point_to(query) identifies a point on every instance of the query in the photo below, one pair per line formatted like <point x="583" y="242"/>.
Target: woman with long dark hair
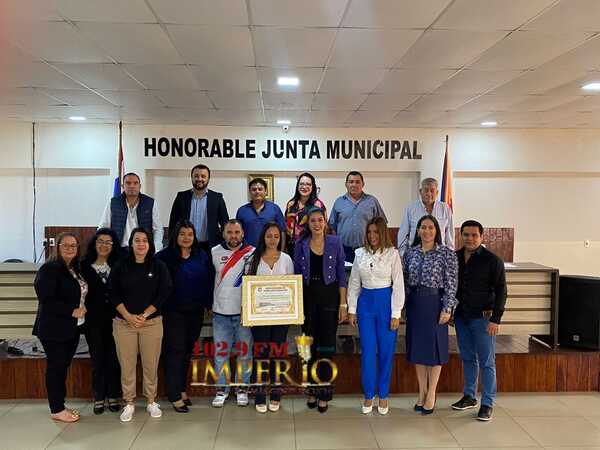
<point x="139" y="285"/>
<point x="61" y="292"/>
<point x="305" y="197"/>
<point x="100" y="258"/>
<point x="430" y="280"/>
<point x="319" y="257"/>
<point x="269" y="259"/>
<point x="183" y="313"/>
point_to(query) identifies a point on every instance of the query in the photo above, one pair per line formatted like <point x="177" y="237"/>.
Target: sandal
<point x="66" y="416"/>
<point x="98" y="407"/>
<point x="114" y="405"/>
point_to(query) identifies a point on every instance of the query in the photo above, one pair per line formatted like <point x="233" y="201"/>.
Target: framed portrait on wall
<point x="269" y="179"/>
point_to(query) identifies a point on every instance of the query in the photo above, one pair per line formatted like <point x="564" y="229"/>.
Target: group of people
<point x="129" y="301"/>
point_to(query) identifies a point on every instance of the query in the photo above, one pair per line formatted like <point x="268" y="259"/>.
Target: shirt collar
<point x="194" y="195"/>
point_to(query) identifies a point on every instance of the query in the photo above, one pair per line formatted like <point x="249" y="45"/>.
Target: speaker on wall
<point x="579" y="312"/>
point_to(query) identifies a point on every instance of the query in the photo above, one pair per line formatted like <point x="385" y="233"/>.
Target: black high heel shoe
<point x="181" y="409"/>
<point x="187" y="402"/>
<point x="311" y="405"/>
<point x="425" y="411"/>
<point x="322" y="409"/>
<point x="418" y="408"/>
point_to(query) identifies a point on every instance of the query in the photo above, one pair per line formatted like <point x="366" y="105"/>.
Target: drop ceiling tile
<point x="439" y="102"/>
<point x="476" y="81"/>
<point x="296" y="116"/>
<point x="36" y="75"/>
<point x="541" y="103"/>
<point x="413" y="81"/>
<point x="539" y="81"/>
<point x="235" y="100"/>
<point x="584" y="57"/>
<point x="292" y="47"/>
<point x="176" y="98"/>
<point x="394" y="13"/>
<point x="527" y="49"/>
<point x="131" y="11"/>
<point x="371" y="48"/>
<point x="238" y="79"/>
<point x="488" y="15"/>
<point x="371" y="117"/>
<point x="567" y="16"/>
<point x="132" y="43"/>
<point x="55" y="42"/>
<point x="287" y="100"/>
<point x="154" y="76"/>
<point x="351" y="81"/>
<point x="76" y="97"/>
<point x="28" y="11"/>
<point x="394" y="102"/>
<point x="338" y="101"/>
<point x="329" y="117"/>
<point x="447" y="49"/>
<point x="292" y="13"/>
<point x="201" y="12"/>
<point x="219" y="46"/>
<point x="309" y="79"/>
<point x="25" y="96"/>
<point x="133" y="99"/>
<point x="492" y="103"/>
<point x="100" y="76"/>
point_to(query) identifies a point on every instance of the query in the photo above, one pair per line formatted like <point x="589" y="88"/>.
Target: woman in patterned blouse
<point x="431" y="279"/>
<point x="296" y="217"/>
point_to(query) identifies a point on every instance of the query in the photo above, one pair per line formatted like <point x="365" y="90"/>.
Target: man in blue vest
<point x="132" y="209"/>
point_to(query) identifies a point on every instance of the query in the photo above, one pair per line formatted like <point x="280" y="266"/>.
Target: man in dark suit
<point x="204" y="208"/>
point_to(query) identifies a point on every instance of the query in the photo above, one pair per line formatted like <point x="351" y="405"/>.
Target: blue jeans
<point x="231" y="338"/>
<point x="478" y="352"/>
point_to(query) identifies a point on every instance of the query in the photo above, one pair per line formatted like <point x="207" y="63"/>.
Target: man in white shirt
<point x="426" y="205"/>
<point x="230" y="337"/>
<point x="130" y="210"/>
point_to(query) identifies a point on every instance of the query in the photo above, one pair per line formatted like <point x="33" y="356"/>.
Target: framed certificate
<point x="272" y="300"/>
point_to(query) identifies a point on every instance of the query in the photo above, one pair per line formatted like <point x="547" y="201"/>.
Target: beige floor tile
<point x="255" y="434"/>
<point x="7" y="405"/>
<point x="234" y="412"/>
<point x="172" y="435"/>
<point x="570" y="448"/>
<point x="586" y="404"/>
<point x="563" y="431"/>
<point x="97" y="436"/>
<point x="341" y="407"/>
<point x="199" y="411"/>
<point x="418" y="432"/>
<point x="27" y="431"/>
<point x="503" y="448"/>
<point x="334" y="434"/>
<point x="444" y="409"/>
<point x="534" y="406"/>
<point x="500" y="432"/>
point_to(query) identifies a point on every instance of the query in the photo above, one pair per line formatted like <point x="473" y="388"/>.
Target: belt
<point x="424" y="290"/>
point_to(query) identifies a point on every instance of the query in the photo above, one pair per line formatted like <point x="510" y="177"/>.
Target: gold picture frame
<point x="272" y="300"/>
<point x="270" y="180"/>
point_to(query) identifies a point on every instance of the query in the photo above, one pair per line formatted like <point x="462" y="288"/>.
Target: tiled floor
<point x="521" y="421"/>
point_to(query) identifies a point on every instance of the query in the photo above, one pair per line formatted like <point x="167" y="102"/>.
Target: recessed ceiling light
<point x="595" y="86"/>
<point x="284" y="122"/>
<point x="288" y="81"/>
<point x="488" y="124"/>
<point x="77" y="118"/>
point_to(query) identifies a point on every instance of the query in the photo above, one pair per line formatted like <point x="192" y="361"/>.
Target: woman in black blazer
<point x="61" y="293"/>
<point x="101" y="255"/>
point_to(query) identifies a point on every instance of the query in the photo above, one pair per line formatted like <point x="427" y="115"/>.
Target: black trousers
<point x="59" y="355"/>
<point x="181" y="332"/>
<point x="321" y="307"/>
<point x="266" y="335"/>
<point x="106" y="371"/>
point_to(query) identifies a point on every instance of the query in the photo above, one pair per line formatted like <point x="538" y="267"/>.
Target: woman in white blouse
<point x="375" y="301"/>
<point x="268" y="259"/>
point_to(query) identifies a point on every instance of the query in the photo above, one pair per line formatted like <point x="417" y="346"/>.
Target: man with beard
<point x="426" y="205"/>
<point x="230" y="337"/>
<point x="130" y="210"/>
<point x="204" y="208"/>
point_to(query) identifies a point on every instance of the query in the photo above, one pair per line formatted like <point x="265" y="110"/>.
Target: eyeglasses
<point x="101" y="242"/>
<point x="69" y="246"/>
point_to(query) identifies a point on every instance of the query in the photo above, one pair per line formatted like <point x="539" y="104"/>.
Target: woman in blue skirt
<point x="375" y="300"/>
<point x="431" y="279"/>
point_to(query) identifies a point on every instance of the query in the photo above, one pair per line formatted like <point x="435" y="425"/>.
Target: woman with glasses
<point x="138" y="287"/>
<point x="305" y="198"/>
<point x="183" y="312"/>
<point x="61" y="292"/>
<point x="100" y="257"/>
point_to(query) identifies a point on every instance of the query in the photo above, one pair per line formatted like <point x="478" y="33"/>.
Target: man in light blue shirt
<point x="427" y="204"/>
<point x="351" y="212"/>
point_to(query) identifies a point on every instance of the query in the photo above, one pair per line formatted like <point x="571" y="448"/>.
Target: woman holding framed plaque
<point x="320" y="259"/>
<point x="269" y="259"/>
<point x="375" y="301"/>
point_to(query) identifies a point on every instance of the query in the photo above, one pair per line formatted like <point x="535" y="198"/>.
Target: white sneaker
<point x="127" y="413"/>
<point x="274" y="406"/>
<point x="154" y="410"/>
<point x="220" y="399"/>
<point x="261" y="408"/>
<point x="242" y="398"/>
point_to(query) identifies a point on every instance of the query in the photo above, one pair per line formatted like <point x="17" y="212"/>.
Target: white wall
<point x="544" y="183"/>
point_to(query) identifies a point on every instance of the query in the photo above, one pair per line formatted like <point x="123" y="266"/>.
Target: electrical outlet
<point x="587" y="243"/>
<point x="52" y="242"/>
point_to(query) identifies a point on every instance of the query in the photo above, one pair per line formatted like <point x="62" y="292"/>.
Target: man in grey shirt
<point x="351" y="212"/>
